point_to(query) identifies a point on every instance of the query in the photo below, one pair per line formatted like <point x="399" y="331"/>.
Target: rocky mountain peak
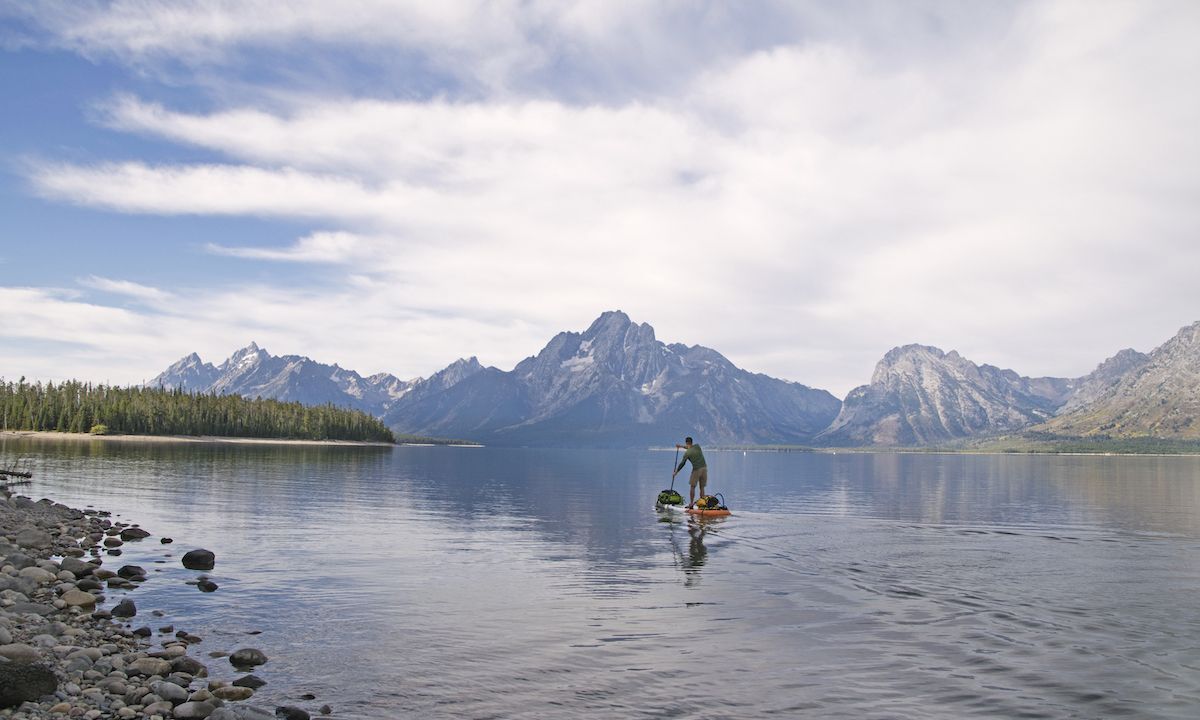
<point x="245" y="356"/>
<point x="461" y="368"/>
<point x="610" y="321"/>
<point x="1187" y="339"/>
<point x="188" y="373"/>
<point x="616" y="384"/>
<point x="920" y="395"/>
<point x="1135" y="395"/>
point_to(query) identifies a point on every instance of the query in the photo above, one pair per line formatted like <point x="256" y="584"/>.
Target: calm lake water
<point x="490" y="583"/>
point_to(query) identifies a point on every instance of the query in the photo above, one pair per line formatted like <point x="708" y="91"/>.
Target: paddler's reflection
<point x="696" y="550"/>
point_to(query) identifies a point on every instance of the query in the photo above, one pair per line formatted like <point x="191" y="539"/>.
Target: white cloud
<point x="1021" y="193"/>
<point x="127" y="288"/>
<point x="325" y="247"/>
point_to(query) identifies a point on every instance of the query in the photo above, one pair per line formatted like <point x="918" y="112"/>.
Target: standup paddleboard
<point x="696" y="511"/>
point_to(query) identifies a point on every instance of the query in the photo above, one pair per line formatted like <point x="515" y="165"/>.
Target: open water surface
<point x="489" y="583"/>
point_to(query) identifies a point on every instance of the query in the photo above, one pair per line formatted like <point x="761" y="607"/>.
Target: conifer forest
<point x="80" y="407"/>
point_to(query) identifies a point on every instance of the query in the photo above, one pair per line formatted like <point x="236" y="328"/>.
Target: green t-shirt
<point x="695" y="455"/>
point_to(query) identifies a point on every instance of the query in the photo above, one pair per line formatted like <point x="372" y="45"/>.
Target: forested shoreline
<point x="79" y="407"/>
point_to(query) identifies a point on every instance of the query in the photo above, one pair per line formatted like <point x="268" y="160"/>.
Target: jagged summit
<point x="189" y="373"/>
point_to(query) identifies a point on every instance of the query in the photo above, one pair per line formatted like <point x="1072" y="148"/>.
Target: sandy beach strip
<point x="87" y="437"/>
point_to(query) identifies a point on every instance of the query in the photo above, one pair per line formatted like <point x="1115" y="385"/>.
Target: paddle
<point x="673" y="466"/>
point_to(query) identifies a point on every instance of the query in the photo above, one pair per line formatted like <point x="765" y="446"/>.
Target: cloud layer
<point x="1016" y="183"/>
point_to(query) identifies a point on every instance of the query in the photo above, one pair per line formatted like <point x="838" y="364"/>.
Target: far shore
<point x="80" y="437"/>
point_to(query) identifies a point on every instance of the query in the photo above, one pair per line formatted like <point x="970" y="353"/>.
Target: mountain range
<point x="616" y="385"/>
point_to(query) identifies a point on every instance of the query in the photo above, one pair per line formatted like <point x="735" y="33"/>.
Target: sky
<point x="392" y="185"/>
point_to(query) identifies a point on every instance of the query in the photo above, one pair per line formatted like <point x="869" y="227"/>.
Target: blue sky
<point x="393" y="185"/>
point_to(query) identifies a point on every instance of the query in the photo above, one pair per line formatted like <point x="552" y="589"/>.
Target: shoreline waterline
<point x="69" y="641"/>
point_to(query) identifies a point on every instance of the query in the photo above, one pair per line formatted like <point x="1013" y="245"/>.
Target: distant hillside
<point x="920" y="395"/>
<point x="1155" y="395"/>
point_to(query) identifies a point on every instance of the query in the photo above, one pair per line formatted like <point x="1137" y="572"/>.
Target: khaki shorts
<point x="699" y="475"/>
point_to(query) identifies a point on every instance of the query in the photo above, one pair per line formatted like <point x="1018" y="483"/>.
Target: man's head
<point x="687" y="441"/>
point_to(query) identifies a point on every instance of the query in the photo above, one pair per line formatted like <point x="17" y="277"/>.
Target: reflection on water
<point x="452" y="582"/>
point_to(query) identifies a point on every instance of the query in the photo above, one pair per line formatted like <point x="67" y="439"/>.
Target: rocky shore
<point x="63" y="655"/>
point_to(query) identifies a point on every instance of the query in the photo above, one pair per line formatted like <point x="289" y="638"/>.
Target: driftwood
<point x="16" y="473"/>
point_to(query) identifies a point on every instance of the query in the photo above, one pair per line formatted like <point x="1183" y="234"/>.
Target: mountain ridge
<point x="616" y="384"/>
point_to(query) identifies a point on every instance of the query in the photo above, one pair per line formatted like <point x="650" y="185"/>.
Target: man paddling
<point x="699" y="469"/>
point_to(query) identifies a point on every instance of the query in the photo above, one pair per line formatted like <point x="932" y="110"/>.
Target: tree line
<point x="80" y="407"/>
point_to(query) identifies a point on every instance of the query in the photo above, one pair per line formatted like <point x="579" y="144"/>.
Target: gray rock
<point x="88" y="584"/>
<point x="191" y="710"/>
<point x="79" y="664"/>
<point x="249" y="712"/>
<point x="125" y="608"/>
<point x="78" y="598"/>
<point x="170" y="692"/>
<point x="188" y="665"/>
<point x="29" y="608"/>
<point x="76" y="566"/>
<point x="113" y="685"/>
<point x="134" y="533"/>
<point x="233" y="693"/>
<point x="25" y="586"/>
<point x="291" y="712"/>
<point x="25" y="682"/>
<point x="247" y="657"/>
<point x="148" y="666"/>
<point x="20" y="652"/>
<point x="253" y="682"/>
<point x="34" y="538"/>
<point x="199" y="560"/>
<point x="20" y="560"/>
<point x="38" y="575"/>
<point x="130" y="572"/>
<point x="161" y="707"/>
<point x="93" y="654"/>
<point x="6" y="637"/>
<point x="207" y="586"/>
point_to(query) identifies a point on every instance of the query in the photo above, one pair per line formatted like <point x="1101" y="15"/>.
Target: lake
<point x="493" y="583"/>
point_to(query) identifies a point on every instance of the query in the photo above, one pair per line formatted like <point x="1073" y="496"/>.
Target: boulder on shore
<point x="34" y="538"/>
<point x="199" y="559"/>
<point x="247" y="657"/>
<point x="22" y="682"/>
<point x="134" y="533"/>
